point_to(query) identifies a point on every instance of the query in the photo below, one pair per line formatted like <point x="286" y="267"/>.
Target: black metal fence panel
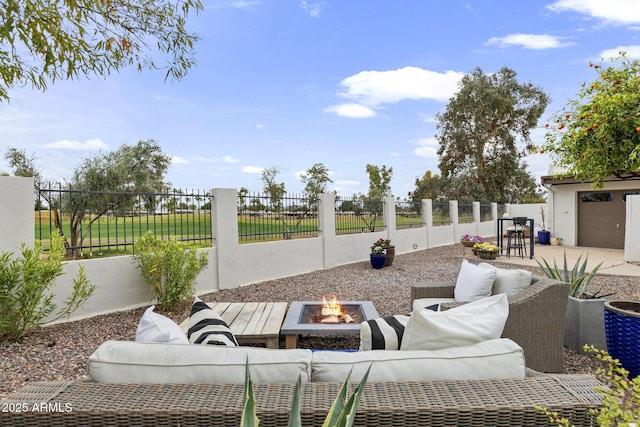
<point x="262" y="217"/>
<point x="95" y="223"/>
<point x="440" y="211"/>
<point x="409" y="215"/>
<point x="465" y="213"/>
<point x="358" y="215"/>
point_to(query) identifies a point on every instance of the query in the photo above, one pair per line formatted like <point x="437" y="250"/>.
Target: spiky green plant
<point x="576" y="277"/>
<point x="341" y="413"/>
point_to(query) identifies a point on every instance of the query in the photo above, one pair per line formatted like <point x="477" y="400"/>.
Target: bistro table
<point x="501" y="231"/>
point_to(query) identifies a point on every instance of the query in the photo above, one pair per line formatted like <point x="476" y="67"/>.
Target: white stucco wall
<point x="16" y="213"/>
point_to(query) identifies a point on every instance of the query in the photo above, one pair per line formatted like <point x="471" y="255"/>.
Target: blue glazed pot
<point x="544" y="237"/>
<point x="622" y="328"/>
<point x="378" y="260"/>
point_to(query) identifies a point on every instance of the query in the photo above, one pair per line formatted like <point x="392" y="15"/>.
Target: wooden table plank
<point x="254" y="325"/>
<point x="242" y="320"/>
<point x="274" y="322"/>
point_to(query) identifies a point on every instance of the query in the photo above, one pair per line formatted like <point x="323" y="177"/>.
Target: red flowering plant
<point x="382" y="242"/>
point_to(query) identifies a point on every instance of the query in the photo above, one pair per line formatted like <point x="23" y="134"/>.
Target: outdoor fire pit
<point x="324" y="318"/>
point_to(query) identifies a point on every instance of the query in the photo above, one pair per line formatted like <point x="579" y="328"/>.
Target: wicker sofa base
<point x="462" y="403"/>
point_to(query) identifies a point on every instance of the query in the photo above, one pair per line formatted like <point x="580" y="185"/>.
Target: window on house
<point x="596" y="197"/>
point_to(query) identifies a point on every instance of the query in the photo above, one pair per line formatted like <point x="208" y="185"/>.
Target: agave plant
<point x="576" y="277"/>
<point x="341" y="413"/>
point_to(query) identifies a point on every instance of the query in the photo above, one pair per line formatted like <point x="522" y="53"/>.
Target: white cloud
<point x="633" y="51"/>
<point x="427" y="147"/>
<point x="529" y="41"/>
<point x="90" y="144"/>
<point x="314" y="10"/>
<point x="356" y="111"/>
<point x="395" y="154"/>
<point x="229" y="159"/>
<point x="177" y="160"/>
<point x="260" y="126"/>
<point x="372" y="88"/>
<point x="615" y="12"/>
<point x="252" y="169"/>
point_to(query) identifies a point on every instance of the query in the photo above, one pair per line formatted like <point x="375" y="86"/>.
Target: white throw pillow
<point x="508" y="280"/>
<point x="474" y="282"/>
<point x="467" y="324"/>
<point x="154" y="327"/>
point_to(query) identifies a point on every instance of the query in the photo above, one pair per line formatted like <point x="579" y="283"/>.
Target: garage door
<point x="601" y="217"/>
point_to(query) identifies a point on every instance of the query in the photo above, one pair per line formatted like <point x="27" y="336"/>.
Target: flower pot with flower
<point x="377" y="257"/>
<point x="468" y="241"/>
<point x="388" y="249"/>
<point x="487" y="250"/>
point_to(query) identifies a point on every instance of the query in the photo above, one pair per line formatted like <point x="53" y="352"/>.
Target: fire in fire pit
<point x="331" y="311"/>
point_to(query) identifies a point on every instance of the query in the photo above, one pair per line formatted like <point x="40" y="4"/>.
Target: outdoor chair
<point x="515" y="237"/>
<point x="536" y="319"/>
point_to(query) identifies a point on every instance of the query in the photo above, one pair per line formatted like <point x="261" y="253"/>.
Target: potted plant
<point x="543" y="234"/>
<point x="487" y="250"/>
<point x="468" y="240"/>
<point x="622" y="327"/>
<point x="584" y="321"/>
<point x="556" y="241"/>
<point x="377" y="257"/>
<point x="388" y="249"/>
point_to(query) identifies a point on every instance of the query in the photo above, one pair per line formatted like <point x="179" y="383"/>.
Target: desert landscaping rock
<point x="61" y="351"/>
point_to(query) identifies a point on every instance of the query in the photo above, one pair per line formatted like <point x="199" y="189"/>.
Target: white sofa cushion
<point x="467" y="324"/>
<point x="499" y="358"/>
<point x="509" y="280"/>
<point x="157" y="363"/>
<point x="474" y="282"/>
<point x="154" y="327"/>
<point x="383" y="333"/>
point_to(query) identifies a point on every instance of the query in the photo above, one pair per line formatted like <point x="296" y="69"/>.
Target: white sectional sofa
<point x="161" y="363"/>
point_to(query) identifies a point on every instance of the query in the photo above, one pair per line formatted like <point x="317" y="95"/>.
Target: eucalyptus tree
<point x="44" y="41"/>
<point x="484" y="133"/>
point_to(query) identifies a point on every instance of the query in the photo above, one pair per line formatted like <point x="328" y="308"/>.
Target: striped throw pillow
<point x="207" y="327"/>
<point x="383" y="333"/>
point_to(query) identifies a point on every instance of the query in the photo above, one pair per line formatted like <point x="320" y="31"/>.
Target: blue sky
<point x="290" y="83"/>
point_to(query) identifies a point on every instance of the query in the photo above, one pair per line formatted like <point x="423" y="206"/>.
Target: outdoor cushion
<point x="474" y="282"/>
<point x="429" y="303"/>
<point x="383" y="333"/>
<point x="470" y="323"/>
<point x="157" y="363"/>
<point x="509" y="280"/>
<point x="207" y="327"/>
<point x="499" y="358"/>
<point x="154" y="327"/>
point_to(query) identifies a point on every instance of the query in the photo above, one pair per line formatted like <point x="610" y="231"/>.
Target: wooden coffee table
<point x="251" y="322"/>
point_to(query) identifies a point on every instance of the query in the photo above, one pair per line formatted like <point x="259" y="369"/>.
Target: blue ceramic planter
<point x="378" y="260"/>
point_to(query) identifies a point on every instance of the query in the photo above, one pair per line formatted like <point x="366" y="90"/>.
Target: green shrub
<point x="621" y="397"/>
<point x="576" y="277"/>
<point x="169" y="268"/>
<point x="341" y="413"/>
<point x="25" y="285"/>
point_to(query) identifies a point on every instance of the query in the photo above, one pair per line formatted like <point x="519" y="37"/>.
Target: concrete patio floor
<point x="612" y="259"/>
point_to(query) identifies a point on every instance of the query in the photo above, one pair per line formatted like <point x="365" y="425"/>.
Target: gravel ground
<point x="60" y="352"/>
